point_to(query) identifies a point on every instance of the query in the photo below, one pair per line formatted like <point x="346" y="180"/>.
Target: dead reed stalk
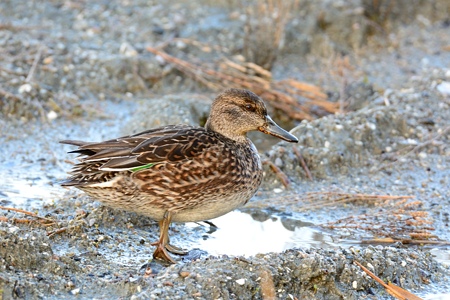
<point x="264" y="29"/>
<point x="296" y="99"/>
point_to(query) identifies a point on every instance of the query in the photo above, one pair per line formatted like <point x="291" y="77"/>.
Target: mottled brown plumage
<point x="180" y="173"/>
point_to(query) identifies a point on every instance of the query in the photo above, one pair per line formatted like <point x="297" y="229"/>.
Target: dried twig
<point x="389" y="240"/>
<point x="280" y="174"/>
<point x="26" y="213"/>
<point x="34" y="65"/>
<point x="9" y="95"/>
<point x="284" y="95"/>
<point x="429" y="141"/>
<point x="267" y="287"/>
<point x="333" y="198"/>
<point x="11" y="27"/>
<point x="11" y="72"/>
<point x="264" y="29"/>
<point x="392" y="289"/>
<point x="302" y="162"/>
<point x="415" y="149"/>
<point x="57" y="231"/>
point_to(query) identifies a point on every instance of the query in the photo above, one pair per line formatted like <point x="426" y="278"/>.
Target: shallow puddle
<point x="29" y="192"/>
<point x="239" y="233"/>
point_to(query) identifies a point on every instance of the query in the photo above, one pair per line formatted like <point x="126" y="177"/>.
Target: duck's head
<point x="236" y="112"/>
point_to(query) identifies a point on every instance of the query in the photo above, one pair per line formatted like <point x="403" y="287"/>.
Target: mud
<point x="94" y="80"/>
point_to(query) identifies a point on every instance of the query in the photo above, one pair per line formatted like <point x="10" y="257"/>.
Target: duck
<point x="180" y="173"/>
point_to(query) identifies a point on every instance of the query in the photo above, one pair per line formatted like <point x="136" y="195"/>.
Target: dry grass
<point x="391" y="288"/>
<point x="378" y="13"/>
<point x="24" y="94"/>
<point x="387" y="219"/>
<point x="298" y="100"/>
<point x="398" y="217"/>
<point x="52" y="225"/>
<point x="264" y="29"/>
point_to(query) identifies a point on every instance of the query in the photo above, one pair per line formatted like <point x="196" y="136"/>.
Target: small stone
<point x="278" y="162"/>
<point x="444" y="88"/>
<point x="180" y="45"/>
<point x="167" y="283"/>
<point x="355" y="284"/>
<point x="13" y="229"/>
<point x="422" y="155"/>
<point x="160" y="60"/>
<point x="70" y="284"/>
<point x="75" y="291"/>
<point x="372" y="126"/>
<point x="48" y="60"/>
<point x="185" y="274"/>
<point x="412" y="142"/>
<point x="25" y="88"/>
<point x="51" y="115"/>
<point x="241" y="281"/>
<point x="127" y="50"/>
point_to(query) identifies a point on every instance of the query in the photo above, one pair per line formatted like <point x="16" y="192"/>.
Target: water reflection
<point x="255" y="231"/>
<point x="240" y="233"/>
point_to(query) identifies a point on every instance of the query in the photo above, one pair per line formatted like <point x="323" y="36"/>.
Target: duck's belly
<point x="212" y="208"/>
<point x="190" y="207"/>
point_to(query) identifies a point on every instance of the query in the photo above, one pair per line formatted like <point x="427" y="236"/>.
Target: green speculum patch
<point x="147" y="166"/>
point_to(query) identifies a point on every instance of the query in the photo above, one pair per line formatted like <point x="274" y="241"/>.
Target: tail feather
<point x="70" y="182"/>
<point x="74" y="142"/>
<point x="87" y="152"/>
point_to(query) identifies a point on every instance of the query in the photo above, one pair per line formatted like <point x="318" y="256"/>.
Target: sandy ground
<point x="80" y="70"/>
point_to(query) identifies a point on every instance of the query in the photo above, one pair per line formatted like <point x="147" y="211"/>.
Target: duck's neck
<point x="226" y="132"/>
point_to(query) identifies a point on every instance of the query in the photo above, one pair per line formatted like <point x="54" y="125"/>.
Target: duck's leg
<point x="163" y="244"/>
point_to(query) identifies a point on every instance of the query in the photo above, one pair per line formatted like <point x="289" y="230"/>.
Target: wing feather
<point x="164" y="144"/>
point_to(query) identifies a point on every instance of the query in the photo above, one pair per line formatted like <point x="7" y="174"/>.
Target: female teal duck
<point x="180" y="173"/>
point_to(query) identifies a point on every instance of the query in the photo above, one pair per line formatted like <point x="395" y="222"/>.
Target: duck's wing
<point x="160" y="145"/>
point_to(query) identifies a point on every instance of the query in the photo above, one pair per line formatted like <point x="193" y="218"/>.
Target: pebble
<point x="444" y="88"/>
<point x="51" y="115"/>
<point x="278" y="162"/>
<point x="128" y="50"/>
<point x="13" y="229"/>
<point x="25" y="88"/>
<point x="184" y="274"/>
<point x="75" y="291"/>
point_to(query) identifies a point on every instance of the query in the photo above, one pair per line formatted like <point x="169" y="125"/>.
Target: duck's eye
<point x="250" y="107"/>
